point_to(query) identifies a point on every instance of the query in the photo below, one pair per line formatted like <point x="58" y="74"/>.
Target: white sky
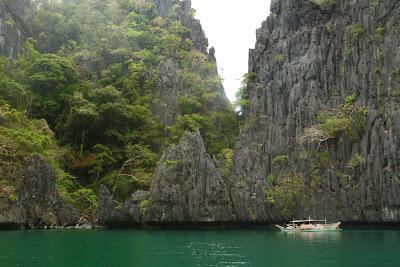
<point x="230" y="26"/>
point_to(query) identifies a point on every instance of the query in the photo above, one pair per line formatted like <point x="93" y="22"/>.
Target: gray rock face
<point x="13" y="26"/>
<point x="187" y="186"/>
<point x="171" y="86"/>
<point x="307" y="59"/>
<point x="38" y="203"/>
<point x="168" y="92"/>
<point x="111" y="212"/>
<point x="197" y="34"/>
<point x="184" y="9"/>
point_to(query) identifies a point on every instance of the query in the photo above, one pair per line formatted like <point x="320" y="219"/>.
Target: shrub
<point x="190" y="105"/>
<point x="287" y="194"/>
<point x="347" y="53"/>
<point x="227" y="157"/>
<point x="316" y="180"/>
<point x="7" y="190"/>
<point x="172" y="163"/>
<point x="271" y="179"/>
<point x="380" y="31"/>
<point x="85" y="200"/>
<point x="396" y="72"/>
<point x="356" y="31"/>
<point x="249" y="77"/>
<point x="279" y="58"/>
<point x="356" y="161"/>
<point x="144" y="206"/>
<point x="349" y="119"/>
<point x="325" y="3"/>
<point x="280" y="159"/>
<point x="344" y="178"/>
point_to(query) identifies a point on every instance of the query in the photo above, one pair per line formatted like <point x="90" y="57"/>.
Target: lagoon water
<point x="144" y="248"/>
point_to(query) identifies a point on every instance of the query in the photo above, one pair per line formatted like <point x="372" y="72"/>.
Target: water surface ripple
<point x="113" y="248"/>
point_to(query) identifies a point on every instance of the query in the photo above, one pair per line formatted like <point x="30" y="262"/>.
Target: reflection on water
<point x="316" y="236"/>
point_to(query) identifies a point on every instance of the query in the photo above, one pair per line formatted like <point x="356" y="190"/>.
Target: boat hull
<point x="317" y="228"/>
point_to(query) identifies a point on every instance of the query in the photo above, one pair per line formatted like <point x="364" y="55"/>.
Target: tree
<point x="51" y="73"/>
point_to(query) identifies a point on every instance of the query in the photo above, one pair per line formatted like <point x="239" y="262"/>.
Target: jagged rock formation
<point x="171" y="88"/>
<point x="184" y="9"/>
<point x="187" y="188"/>
<point x="13" y="26"/>
<point x="38" y="203"/>
<point x="112" y="213"/>
<point x="309" y="56"/>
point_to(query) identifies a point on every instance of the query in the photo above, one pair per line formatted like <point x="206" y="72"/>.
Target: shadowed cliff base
<point x="240" y="225"/>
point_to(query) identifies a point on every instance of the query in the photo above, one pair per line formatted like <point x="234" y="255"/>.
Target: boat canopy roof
<point x="307" y="220"/>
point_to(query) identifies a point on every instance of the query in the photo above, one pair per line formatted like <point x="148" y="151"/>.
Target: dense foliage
<point x="91" y="72"/>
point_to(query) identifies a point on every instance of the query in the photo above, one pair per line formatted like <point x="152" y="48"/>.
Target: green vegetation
<point x="287" y="194"/>
<point x="226" y="156"/>
<point x="272" y="179"/>
<point x="20" y="139"/>
<point x="396" y="73"/>
<point x="348" y="119"/>
<point x="85" y="94"/>
<point x="279" y="58"/>
<point x="380" y="31"/>
<point x="316" y="180"/>
<point x="172" y="163"/>
<point x="143" y="206"/>
<point x="279" y="160"/>
<point x="356" y="161"/>
<point x="325" y="3"/>
<point x="243" y="94"/>
<point x="376" y="2"/>
<point x="356" y="32"/>
<point x="249" y="77"/>
<point x="347" y="53"/>
<point x="344" y="178"/>
<point x="253" y="215"/>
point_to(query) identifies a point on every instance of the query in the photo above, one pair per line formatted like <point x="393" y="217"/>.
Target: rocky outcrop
<point x="13" y="26"/>
<point x="310" y="55"/>
<point x="197" y="34"/>
<point x="187" y="188"/>
<point x="171" y="85"/>
<point x="38" y="203"/>
<point x="184" y="13"/>
<point x="112" y="213"/>
<point x="168" y="92"/>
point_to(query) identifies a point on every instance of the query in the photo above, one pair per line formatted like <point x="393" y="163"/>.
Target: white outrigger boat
<point x="309" y="225"/>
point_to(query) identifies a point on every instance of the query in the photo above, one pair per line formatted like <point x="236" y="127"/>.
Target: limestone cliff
<point x="171" y="86"/>
<point x="14" y="26"/>
<point x="310" y="55"/>
<point x="37" y="202"/>
<point x="338" y="59"/>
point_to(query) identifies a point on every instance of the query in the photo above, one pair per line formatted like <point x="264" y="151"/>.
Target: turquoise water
<point x="108" y="248"/>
